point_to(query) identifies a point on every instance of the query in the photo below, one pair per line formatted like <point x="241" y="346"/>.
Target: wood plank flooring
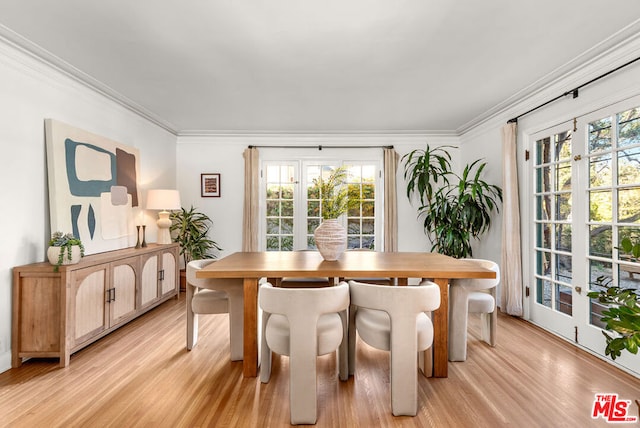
<point x="143" y="376"/>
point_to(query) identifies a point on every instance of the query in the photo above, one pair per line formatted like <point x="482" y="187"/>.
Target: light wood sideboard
<point x="55" y="314"/>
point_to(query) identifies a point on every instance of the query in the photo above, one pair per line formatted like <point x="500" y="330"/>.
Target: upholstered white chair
<point x="393" y="318"/>
<point x="303" y="323"/>
<point x="472" y="296"/>
<point x="215" y="296"/>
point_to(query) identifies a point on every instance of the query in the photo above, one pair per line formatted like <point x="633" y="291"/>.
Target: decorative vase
<point x="331" y="239"/>
<point x="53" y="253"/>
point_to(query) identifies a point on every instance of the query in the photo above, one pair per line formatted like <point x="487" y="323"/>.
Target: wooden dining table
<point x="273" y="265"/>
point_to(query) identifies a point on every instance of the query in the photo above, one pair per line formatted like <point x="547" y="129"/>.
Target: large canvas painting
<point x="93" y="187"/>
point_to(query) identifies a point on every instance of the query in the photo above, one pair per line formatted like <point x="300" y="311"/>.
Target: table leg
<point x="441" y="331"/>
<point x="250" y="333"/>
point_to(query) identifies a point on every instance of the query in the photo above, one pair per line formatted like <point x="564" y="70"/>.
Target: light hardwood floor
<point x="143" y="376"/>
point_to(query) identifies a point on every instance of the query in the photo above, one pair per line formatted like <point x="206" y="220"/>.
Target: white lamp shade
<point x="163" y="199"/>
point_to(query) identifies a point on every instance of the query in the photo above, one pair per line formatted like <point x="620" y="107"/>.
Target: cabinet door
<point x="149" y="280"/>
<point x="123" y="284"/>
<point x="89" y="287"/>
<point x="169" y="272"/>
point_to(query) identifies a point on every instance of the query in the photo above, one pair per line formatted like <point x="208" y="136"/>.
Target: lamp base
<point x="164" y="223"/>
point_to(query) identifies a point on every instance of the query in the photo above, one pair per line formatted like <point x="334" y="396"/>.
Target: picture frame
<point x="210" y="185"/>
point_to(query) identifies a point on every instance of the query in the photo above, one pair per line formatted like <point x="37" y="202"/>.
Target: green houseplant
<point x="455" y="208"/>
<point x="190" y="229"/>
<point x="622" y="315"/>
<point x="64" y="248"/>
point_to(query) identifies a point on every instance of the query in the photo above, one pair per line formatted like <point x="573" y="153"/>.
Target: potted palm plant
<point x="64" y="249"/>
<point x="190" y="229"/>
<point x="455" y="208"/>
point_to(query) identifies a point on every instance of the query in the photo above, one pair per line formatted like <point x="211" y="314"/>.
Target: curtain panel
<point x="390" y="167"/>
<point x="250" y="208"/>
<point x="511" y="266"/>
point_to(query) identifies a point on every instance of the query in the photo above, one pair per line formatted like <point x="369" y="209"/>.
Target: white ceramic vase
<point x="331" y="239"/>
<point x="53" y="254"/>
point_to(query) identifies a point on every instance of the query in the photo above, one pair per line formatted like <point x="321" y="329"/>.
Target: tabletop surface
<point x="351" y="263"/>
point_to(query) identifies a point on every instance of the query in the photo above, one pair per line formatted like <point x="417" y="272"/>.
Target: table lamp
<point x="163" y="200"/>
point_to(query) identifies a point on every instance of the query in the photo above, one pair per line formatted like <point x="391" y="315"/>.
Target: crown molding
<point x="316" y="134"/>
<point x="612" y="52"/>
<point x="325" y="139"/>
<point x="40" y="60"/>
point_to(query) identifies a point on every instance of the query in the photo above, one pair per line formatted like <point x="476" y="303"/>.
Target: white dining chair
<point x="215" y="296"/>
<point x="303" y="323"/>
<point x="394" y="318"/>
<point x="472" y="295"/>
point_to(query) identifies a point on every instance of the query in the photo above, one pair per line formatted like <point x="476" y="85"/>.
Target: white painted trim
<point x="326" y="140"/>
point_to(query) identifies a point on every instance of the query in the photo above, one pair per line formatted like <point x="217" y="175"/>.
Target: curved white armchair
<point x="215" y="296"/>
<point x="472" y="296"/>
<point x="303" y="323"/>
<point x="393" y="318"/>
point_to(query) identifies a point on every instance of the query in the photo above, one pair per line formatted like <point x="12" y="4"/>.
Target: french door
<point x="291" y="209"/>
<point x="585" y="199"/>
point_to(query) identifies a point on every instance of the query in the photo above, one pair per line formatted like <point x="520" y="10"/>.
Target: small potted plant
<point x="64" y="249"/>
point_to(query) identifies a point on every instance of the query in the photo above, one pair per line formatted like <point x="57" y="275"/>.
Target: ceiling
<point x="323" y="66"/>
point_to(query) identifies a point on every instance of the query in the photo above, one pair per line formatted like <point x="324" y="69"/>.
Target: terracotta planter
<point x="53" y="254"/>
<point x="331" y="239"/>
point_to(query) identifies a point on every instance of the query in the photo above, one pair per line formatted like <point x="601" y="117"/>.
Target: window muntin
<point x="280" y="211"/>
<point x="292" y="207"/>
<point x="553" y="208"/>
<point x="614" y="201"/>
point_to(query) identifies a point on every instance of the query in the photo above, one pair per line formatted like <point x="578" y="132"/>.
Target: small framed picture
<point x="210" y="185"/>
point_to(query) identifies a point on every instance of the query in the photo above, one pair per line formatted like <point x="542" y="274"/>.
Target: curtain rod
<point x="320" y="147"/>
<point x="574" y="91"/>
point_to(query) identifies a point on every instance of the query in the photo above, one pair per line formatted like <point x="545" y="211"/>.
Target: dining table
<point x="274" y="265"/>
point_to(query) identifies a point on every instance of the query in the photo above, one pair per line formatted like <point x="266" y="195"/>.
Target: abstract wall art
<point x="93" y="187"/>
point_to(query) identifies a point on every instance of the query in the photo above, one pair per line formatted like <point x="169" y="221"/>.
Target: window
<point x="553" y="221"/>
<point x="614" y="201"/>
<point x="280" y="210"/>
<point x="585" y="199"/>
<point x="292" y="209"/>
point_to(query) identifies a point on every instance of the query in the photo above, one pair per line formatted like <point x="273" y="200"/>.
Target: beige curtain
<point x="390" y="200"/>
<point x="511" y="266"/>
<point x="250" y="211"/>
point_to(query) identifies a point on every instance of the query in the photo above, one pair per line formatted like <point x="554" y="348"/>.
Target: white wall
<point x="31" y="92"/>
<point x="223" y="154"/>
